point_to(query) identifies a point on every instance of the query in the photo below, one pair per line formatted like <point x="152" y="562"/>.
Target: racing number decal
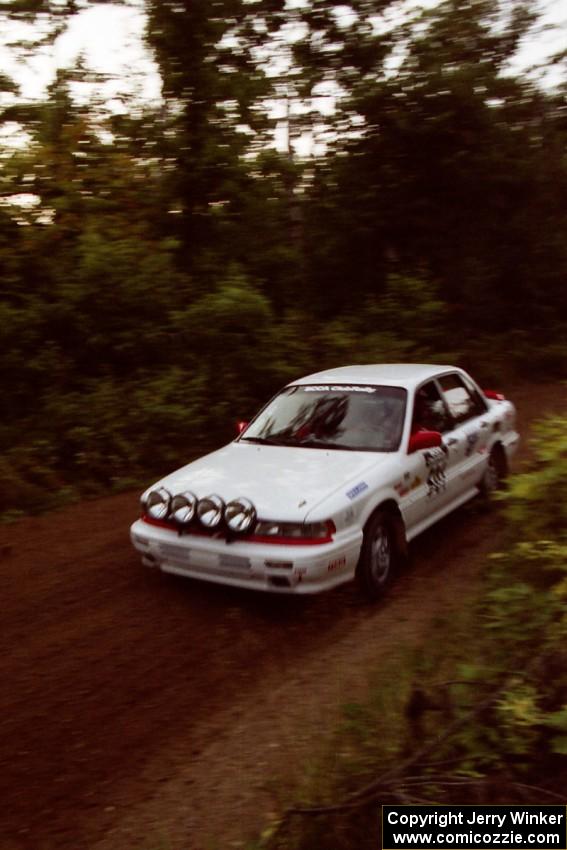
<point x="436" y="463"/>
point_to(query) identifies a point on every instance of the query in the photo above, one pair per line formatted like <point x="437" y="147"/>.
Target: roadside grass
<point x="40" y="500"/>
<point x="405" y="705"/>
<point x="477" y="713"/>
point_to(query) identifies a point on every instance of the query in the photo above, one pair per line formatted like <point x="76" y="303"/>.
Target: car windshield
<point x="351" y="417"/>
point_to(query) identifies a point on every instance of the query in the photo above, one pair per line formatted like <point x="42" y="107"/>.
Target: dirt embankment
<point x="141" y="711"/>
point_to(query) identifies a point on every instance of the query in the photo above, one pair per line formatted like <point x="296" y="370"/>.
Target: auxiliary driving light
<point x="210" y="511"/>
<point x="240" y="515"/>
<point x="158" y="503"/>
<point x="183" y="507"/>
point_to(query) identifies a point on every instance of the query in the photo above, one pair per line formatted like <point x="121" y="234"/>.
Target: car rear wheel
<point x="379" y="555"/>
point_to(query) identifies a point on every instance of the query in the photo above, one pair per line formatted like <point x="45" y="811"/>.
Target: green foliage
<point x="449" y="173"/>
<point x="518" y="652"/>
<point x="537" y="500"/>
<point x="407" y="322"/>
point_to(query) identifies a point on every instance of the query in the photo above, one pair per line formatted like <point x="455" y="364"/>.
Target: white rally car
<point x="330" y="480"/>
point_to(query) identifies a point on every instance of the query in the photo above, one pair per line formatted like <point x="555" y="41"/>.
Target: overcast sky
<point x="109" y="37"/>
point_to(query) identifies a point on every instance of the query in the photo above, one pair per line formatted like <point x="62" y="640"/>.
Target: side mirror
<point x="240" y="426"/>
<point x="494" y="395"/>
<point x="424" y="440"/>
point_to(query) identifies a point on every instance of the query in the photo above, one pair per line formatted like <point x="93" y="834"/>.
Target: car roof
<point x="390" y="374"/>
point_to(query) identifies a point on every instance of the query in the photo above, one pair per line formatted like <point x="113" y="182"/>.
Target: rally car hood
<point x="284" y="483"/>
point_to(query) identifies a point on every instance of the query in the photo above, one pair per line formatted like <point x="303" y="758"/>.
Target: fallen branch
<point x="365" y="795"/>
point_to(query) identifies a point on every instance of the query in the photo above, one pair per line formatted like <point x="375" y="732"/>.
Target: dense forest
<point x="175" y="266"/>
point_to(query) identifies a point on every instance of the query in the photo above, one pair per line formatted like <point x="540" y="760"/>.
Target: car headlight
<point x="240" y="515"/>
<point x="183" y="507"/>
<point x="210" y="511"/>
<point x="157" y="503"/>
<point x="316" y="531"/>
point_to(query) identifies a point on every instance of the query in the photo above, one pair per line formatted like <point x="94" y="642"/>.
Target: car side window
<point x="463" y="403"/>
<point x="478" y="397"/>
<point x="429" y="410"/>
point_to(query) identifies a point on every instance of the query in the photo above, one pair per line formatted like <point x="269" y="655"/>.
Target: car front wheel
<point x="379" y="555"/>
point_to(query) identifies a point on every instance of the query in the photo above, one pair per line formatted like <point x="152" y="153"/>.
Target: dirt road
<point x="141" y="711"/>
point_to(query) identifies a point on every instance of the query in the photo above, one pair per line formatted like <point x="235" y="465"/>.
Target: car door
<point x="468" y="439"/>
<point x="427" y="471"/>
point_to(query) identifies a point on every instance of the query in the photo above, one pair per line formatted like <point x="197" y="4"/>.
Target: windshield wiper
<point x="300" y="444"/>
<point x="270" y="441"/>
<point x="321" y="444"/>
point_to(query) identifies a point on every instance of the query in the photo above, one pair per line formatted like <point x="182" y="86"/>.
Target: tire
<point x="380" y="554"/>
<point x="494" y="475"/>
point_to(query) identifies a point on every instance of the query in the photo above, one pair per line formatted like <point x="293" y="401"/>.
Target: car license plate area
<point x="181" y="554"/>
<point x="185" y="557"/>
<point x="234" y="562"/>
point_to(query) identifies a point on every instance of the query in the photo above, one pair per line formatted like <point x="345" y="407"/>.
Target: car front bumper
<point x="275" y="568"/>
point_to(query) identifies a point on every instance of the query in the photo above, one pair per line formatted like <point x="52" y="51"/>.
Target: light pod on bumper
<point x="183" y="508"/>
<point x="158" y="503"/>
<point x="240" y="515"/>
<point x="210" y="511"/>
